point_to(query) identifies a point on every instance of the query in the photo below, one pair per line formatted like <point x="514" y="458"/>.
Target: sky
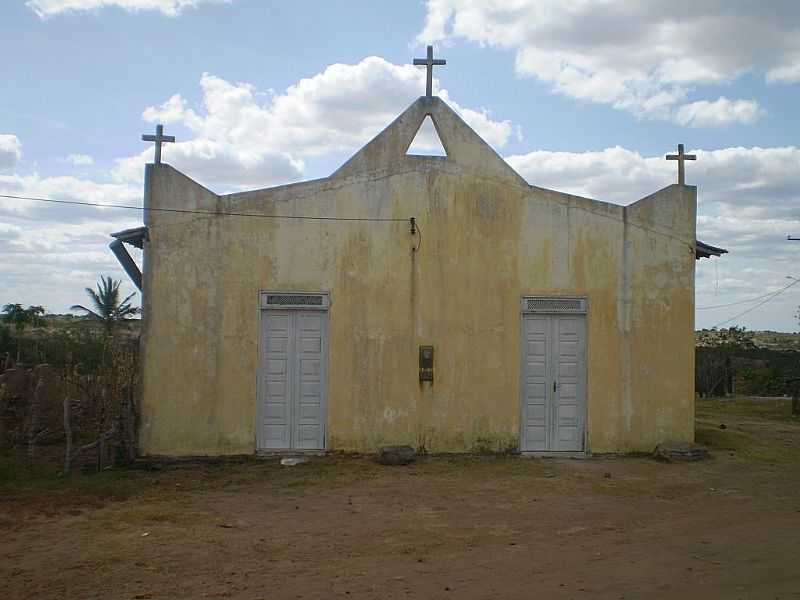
<point x="580" y="96"/>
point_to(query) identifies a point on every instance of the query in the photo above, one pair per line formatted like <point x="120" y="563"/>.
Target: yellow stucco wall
<point x="487" y="239"/>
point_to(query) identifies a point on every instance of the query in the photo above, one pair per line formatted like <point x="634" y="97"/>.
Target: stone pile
<point x="680" y="452"/>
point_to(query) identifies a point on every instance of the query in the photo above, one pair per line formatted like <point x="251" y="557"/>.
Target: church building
<point x="441" y="302"/>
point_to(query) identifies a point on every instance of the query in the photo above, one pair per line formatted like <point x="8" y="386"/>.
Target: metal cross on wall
<point x="681" y="157"/>
<point x="429" y="62"/>
<point x="159" y="138"/>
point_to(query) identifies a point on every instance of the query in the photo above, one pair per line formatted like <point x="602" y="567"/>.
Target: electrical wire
<point x="752" y="308"/>
<point x="254" y="215"/>
<point x="205" y="212"/>
<point x="748" y="301"/>
<point x="419" y="233"/>
<point x="767" y="297"/>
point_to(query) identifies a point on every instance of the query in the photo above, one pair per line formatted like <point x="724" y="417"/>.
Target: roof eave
<point x="703" y="250"/>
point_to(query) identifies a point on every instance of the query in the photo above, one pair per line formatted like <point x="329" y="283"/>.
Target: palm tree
<point x="20" y="318"/>
<point x="107" y="307"/>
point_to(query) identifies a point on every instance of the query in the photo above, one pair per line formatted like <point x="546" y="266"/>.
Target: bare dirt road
<point x="467" y="527"/>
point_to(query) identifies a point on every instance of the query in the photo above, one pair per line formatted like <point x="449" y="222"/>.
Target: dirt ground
<point x="465" y="527"/>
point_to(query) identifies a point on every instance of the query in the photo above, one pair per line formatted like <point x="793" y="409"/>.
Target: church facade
<point x="439" y="302"/>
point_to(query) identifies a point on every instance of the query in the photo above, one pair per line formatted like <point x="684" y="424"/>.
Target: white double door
<point x="553" y="383"/>
<point x="293" y="373"/>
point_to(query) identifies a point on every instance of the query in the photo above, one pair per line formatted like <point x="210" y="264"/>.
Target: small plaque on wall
<point x="426" y="363"/>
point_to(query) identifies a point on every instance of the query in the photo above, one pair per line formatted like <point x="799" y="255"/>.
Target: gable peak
<point x="463" y="146"/>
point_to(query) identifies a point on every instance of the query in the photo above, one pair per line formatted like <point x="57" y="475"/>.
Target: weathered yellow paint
<point x="488" y="239"/>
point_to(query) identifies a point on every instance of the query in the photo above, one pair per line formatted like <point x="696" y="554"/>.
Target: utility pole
<point x="795" y="382"/>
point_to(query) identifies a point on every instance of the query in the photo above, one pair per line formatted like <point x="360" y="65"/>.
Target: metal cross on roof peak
<point x="681" y="157"/>
<point x="159" y="138"/>
<point x="429" y="62"/>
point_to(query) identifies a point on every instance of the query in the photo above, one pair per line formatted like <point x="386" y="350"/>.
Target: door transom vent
<point x="539" y="304"/>
<point x="307" y="301"/>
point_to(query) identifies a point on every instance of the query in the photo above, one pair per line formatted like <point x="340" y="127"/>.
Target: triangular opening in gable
<point x="426" y="142"/>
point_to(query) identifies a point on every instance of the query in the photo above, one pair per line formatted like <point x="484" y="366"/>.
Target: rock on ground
<point x="680" y="451"/>
<point x="396" y="455"/>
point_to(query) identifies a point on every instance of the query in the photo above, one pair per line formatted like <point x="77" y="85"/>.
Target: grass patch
<point x="724" y="440"/>
<point x="8" y="472"/>
<point x="115" y="485"/>
<point x="759" y="431"/>
<point x="24" y="494"/>
<point x="773" y="409"/>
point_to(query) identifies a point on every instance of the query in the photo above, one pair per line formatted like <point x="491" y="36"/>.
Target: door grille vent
<point x="554" y="305"/>
<point x="294" y="301"/>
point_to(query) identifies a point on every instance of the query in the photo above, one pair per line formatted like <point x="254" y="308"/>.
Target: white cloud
<point x="785" y="74"/>
<point x="10" y="151"/>
<point x="62" y="188"/>
<point x="244" y="138"/>
<point x="747" y="204"/>
<point x="172" y="111"/>
<point x="220" y="165"/>
<point x="613" y="175"/>
<point x="495" y="133"/>
<point x="50" y="252"/>
<point x="239" y="137"/>
<point x="763" y="182"/>
<point x="170" y="8"/>
<point x="719" y="113"/>
<point x="79" y="160"/>
<point x="643" y="57"/>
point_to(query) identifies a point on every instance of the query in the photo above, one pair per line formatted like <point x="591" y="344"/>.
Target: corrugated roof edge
<point x="703" y="250"/>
